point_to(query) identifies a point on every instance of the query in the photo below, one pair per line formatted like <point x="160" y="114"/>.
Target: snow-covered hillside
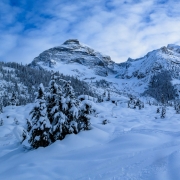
<point x="134" y="145"/>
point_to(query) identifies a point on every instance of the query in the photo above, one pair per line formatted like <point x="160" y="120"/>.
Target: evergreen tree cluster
<point x="135" y="102"/>
<point x="177" y="107"/>
<point x="57" y="112"/>
<point x="161" y="88"/>
<point x="162" y="111"/>
<point x="102" y="83"/>
<point x="20" y="82"/>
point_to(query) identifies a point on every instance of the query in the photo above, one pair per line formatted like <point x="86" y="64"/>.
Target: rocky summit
<point x="72" y="51"/>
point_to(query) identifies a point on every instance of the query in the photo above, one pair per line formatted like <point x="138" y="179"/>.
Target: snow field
<point x="134" y="145"/>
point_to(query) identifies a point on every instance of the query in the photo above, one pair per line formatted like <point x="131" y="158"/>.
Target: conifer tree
<point x="72" y="111"/>
<point x="158" y="110"/>
<point x="85" y="111"/>
<point x="56" y="105"/>
<point x="52" y="98"/>
<point x="104" y="95"/>
<point x="109" y="96"/>
<point x="1" y="122"/>
<point x="177" y="107"/>
<point x="13" y="100"/>
<point x="29" y="125"/>
<point x="163" y="112"/>
<point x="39" y="134"/>
<point x="1" y="108"/>
<point x="16" y="121"/>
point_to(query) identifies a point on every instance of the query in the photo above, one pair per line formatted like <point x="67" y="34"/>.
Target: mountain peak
<point x="71" y="41"/>
<point x="174" y="47"/>
<point x="72" y="52"/>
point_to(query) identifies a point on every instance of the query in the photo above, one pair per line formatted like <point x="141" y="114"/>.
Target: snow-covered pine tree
<point x="16" y="121"/>
<point x="1" y="105"/>
<point x="85" y="111"/>
<point x="132" y="102"/>
<point x="104" y="96"/>
<point x="39" y="134"/>
<point x="139" y="104"/>
<point x="109" y="96"/>
<point x="1" y="122"/>
<point x="56" y="105"/>
<point x="29" y="125"/>
<point x="72" y="111"/>
<point x="163" y="112"/>
<point x="13" y="100"/>
<point x="1" y="108"/>
<point x="177" y="107"/>
<point x="158" y="110"/>
<point x="52" y="98"/>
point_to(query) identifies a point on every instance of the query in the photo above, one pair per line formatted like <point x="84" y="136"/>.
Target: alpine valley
<point x="75" y="114"/>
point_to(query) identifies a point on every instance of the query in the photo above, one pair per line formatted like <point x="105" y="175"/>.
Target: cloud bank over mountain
<point x="121" y="29"/>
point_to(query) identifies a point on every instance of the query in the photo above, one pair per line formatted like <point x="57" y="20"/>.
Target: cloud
<point x="121" y="29"/>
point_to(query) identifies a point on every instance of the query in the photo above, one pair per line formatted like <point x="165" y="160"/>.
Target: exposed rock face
<point x="72" y="51"/>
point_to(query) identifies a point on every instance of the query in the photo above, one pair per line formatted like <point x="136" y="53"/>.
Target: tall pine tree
<point x="40" y="131"/>
<point x="56" y="105"/>
<point x="72" y="111"/>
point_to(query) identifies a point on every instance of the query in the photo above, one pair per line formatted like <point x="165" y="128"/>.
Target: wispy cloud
<point x="121" y="29"/>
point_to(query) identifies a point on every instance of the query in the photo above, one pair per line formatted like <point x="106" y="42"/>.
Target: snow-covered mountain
<point x="132" y="76"/>
<point x="73" y="52"/>
<point x="165" y="58"/>
<point x="142" y="69"/>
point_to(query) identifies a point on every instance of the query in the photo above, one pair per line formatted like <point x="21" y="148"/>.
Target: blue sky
<point x="119" y="28"/>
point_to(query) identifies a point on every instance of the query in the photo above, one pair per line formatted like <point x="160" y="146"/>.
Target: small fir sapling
<point x="104" y="97"/>
<point x="104" y="121"/>
<point x="158" y="110"/>
<point x="29" y="125"/>
<point x="163" y="112"/>
<point x="1" y="108"/>
<point x="109" y="96"/>
<point x="24" y="135"/>
<point x="1" y="122"/>
<point x="16" y="121"/>
<point x="132" y="103"/>
<point x="85" y="111"/>
<point x="138" y="103"/>
<point x="13" y="100"/>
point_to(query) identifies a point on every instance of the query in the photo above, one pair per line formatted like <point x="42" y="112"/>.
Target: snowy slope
<point x="134" y="145"/>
